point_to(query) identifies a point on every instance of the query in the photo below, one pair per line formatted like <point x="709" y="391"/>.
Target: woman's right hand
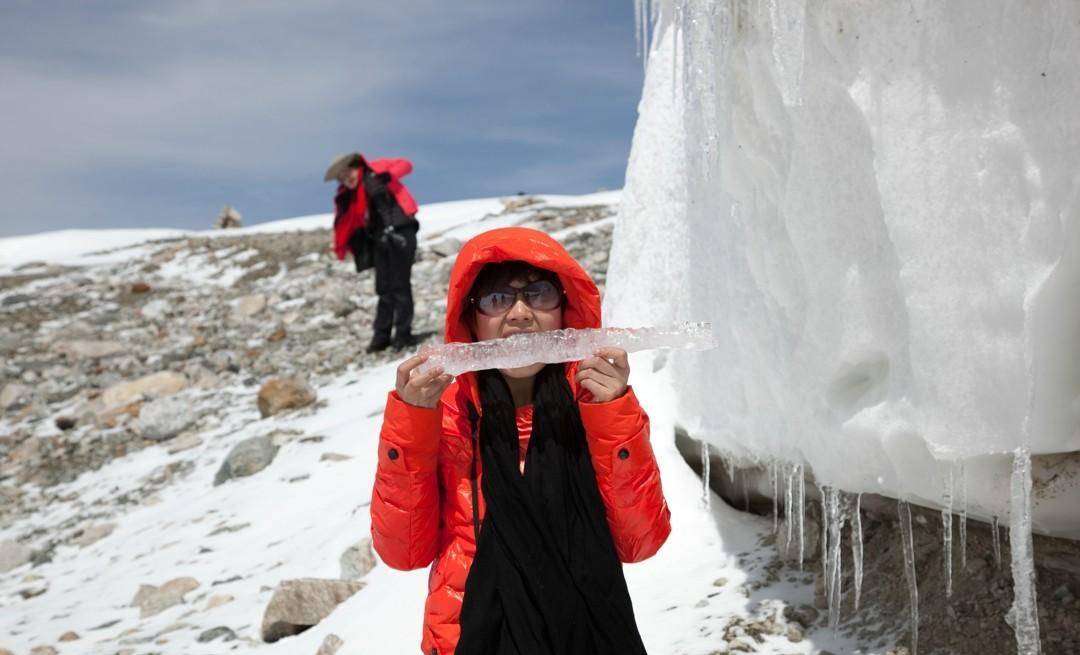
<point x="421" y="389"/>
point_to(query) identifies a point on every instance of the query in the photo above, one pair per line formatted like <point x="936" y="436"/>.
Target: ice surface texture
<point x="882" y="219"/>
<point x="566" y="345"/>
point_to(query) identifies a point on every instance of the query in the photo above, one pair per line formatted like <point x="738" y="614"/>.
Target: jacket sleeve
<point x="398" y="168"/>
<point x="627" y="475"/>
<point x="405" y="500"/>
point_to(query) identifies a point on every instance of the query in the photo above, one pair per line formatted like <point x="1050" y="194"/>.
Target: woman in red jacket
<point x="375" y="218"/>
<point x="528" y="487"/>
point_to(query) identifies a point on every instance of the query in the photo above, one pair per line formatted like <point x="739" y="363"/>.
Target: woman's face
<point x="520" y="318"/>
<point x="350" y="179"/>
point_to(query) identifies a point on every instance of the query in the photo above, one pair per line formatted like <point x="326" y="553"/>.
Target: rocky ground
<point x="158" y="350"/>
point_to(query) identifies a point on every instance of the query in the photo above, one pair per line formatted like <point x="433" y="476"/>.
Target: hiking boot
<point x="403" y="341"/>
<point x="378" y="343"/>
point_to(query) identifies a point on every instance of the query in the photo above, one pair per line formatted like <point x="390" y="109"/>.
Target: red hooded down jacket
<point x="354" y="220"/>
<point x="427" y="483"/>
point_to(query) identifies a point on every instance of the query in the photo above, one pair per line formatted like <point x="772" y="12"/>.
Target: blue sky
<point x="158" y="113"/>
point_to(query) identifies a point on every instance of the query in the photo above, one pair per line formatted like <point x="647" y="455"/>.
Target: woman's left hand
<point x="605" y="374"/>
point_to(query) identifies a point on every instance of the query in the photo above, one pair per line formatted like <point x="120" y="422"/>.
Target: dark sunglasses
<point x="541" y="295"/>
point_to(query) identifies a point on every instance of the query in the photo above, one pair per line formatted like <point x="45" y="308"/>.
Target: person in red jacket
<point x="524" y="489"/>
<point x="375" y="218"/>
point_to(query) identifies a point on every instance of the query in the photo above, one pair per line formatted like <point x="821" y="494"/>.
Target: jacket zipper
<point x="474" y="422"/>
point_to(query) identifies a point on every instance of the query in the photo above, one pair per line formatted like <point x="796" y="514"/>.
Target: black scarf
<point x="546" y="579"/>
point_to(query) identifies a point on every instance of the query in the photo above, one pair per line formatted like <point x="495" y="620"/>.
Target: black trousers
<point x="395" y="250"/>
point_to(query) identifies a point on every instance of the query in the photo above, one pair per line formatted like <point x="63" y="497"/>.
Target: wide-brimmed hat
<point x="341" y="164"/>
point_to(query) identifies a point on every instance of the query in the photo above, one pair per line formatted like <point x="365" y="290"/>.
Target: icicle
<point x="997" y="542"/>
<point x="946" y="530"/>
<point x="909" y="571"/>
<point x="565" y="345"/>
<point x="774" y="479"/>
<point x="789" y="508"/>
<point x="962" y="497"/>
<point x="1024" y="615"/>
<point x="800" y="509"/>
<point x="824" y="535"/>
<point x="731" y="473"/>
<point x="857" y="548"/>
<point x="745" y="492"/>
<point x="706" y="492"/>
<point x="835" y="523"/>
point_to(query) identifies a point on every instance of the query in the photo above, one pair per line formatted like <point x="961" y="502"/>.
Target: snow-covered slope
<point x="709" y="586"/>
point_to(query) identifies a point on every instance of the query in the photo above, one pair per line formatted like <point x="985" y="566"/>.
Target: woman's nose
<point x="519" y="313"/>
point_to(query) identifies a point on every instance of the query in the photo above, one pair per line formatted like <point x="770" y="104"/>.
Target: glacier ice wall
<point x="877" y="205"/>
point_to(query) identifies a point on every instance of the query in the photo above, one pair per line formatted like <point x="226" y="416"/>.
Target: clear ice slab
<point x="567" y="345"/>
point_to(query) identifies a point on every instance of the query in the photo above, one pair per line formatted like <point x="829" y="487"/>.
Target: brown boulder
<point x="280" y="394"/>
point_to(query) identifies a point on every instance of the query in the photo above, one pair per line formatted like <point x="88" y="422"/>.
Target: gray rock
<point x="299" y="604"/>
<point x="246" y="458"/>
<point x="13" y="555"/>
<point x="153" y="600"/>
<point x="165" y="418"/>
<point x="357" y="560"/>
<point x="94" y="533"/>
<point x="15" y="299"/>
<point x="446" y="247"/>
<point x="213" y="633"/>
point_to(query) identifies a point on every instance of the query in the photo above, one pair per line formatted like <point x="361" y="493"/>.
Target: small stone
<point x="13" y="555"/>
<point x="277" y="335"/>
<point x="249" y="306"/>
<point x="43" y="650"/>
<point x="246" y="458"/>
<point x="164" y="383"/>
<point x="334" y="457"/>
<point x="446" y="247"/>
<point x="70" y="635"/>
<point x="13" y="396"/>
<point x="155" y="310"/>
<point x="184" y="443"/>
<point x="299" y="604"/>
<point x="794" y="634"/>
<point x="65" y="423"/>
<point x="165" y="418"/>
<point x="280" y="394"/>
<point x="330" y="645"/>
<point x="94" y="533"/>
<point x="217" y="600"/>
<point x="152" y="600"/>
<point x="225" y="633"/>
<point x="89" y="349"/>
<point x="357" y="561"/>
<point x="140" y="287"/>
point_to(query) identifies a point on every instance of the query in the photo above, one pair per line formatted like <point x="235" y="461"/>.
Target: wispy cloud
<point x="157" y="113"/>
